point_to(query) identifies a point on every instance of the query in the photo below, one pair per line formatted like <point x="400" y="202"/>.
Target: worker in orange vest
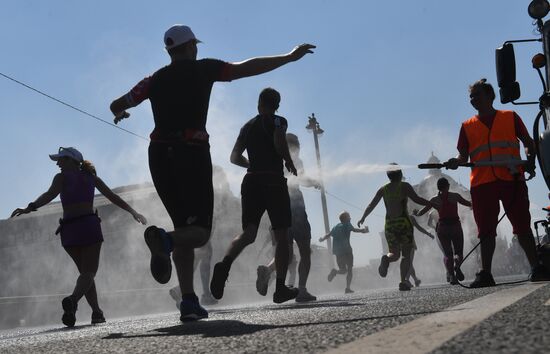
<point x="492" y="137"/>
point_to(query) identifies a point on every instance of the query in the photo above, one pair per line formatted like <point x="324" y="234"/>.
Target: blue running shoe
<point x="160" y="245"/>
<point x="191" y="310"/>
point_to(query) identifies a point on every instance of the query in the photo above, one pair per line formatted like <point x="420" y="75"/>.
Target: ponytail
<point x="87" y="166"/>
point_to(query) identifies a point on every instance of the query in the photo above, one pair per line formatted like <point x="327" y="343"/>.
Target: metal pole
<point x="313" y="125"/>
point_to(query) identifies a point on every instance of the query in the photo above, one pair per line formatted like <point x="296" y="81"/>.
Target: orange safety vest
<point x="499" y="143"/>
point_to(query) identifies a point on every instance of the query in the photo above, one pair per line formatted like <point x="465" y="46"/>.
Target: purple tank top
<point x="78" y="187"/>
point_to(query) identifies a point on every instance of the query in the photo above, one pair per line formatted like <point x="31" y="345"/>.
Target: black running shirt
<point x="180" y="93"/>
<point x="257" y="137"/>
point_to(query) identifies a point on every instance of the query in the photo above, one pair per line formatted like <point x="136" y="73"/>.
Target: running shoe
<point x="483" y="280"/>
<point x="305" y="296"/>
<point x="97" y="317"/>
<point x="159" y="244"/>
<point x="539" y="273"/>
<point x="332" y="274"/>
<point x="207" y="299"/>
<point x="219" y="277"/>
<point x="384" y="264"/>
<point x="459" y="274"/>
<point x="453" y="280"/>
<point x="262" y="280"/>
<point x="69" y="314"/>
<point x="403" y="286"/>
<point x="191" y="310"/>
<point x="284" y="294"/>
<point x="417" y="282"/>
<point x="348" y="291"/>
<point x="175" y="293"/>
<point x="409" y="283"/>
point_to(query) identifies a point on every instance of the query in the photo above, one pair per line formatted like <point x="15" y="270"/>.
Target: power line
<point x="71" y="106"/>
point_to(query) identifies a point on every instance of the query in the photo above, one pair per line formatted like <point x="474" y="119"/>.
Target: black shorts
<point x="260" y="193"/>
<point x="182" y="175"/>
<point x="345" y="260"/>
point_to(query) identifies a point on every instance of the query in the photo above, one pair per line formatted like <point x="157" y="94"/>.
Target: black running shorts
<point x="182" y="175"/>
<point x="265" y="192"/>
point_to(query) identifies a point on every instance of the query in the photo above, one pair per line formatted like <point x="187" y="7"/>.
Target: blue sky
<point x="388" y="82"/>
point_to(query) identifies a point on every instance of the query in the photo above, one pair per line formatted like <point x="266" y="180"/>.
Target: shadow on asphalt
<point x="229" y="328"/>
<point x="303" y="305"/>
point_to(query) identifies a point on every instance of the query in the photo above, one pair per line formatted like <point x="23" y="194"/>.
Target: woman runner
<point x="449" y="229"/>
<point x="80" y="227"/>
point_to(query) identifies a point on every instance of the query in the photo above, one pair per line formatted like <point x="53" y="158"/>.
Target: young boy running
<point x="263" y="189"/>
<point x="398" y="227"/>
<point x="341" y="248"/>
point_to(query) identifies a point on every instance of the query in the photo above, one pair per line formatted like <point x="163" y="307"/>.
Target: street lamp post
<point x="314" y="127"/>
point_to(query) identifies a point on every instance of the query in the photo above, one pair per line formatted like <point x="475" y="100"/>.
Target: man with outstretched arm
<point x="492" y="136"/>
<point x="179" y="153"/>
<point x="263" y="189"/>
<point x="397" y="228"/>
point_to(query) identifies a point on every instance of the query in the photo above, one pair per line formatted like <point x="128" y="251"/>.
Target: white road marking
<point x="429" y="332"/>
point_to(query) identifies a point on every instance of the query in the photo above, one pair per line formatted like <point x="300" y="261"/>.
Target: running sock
<point x="227" y="261"/>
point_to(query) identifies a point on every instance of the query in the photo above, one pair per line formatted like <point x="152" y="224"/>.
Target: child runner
<point x="80" y="227"/>
<point x="412" y="271"/>
<point x="341" y="248"/>
<point x="264" y="188"/>
<point x="449" y="229"/>
<point x="398" y="228"/>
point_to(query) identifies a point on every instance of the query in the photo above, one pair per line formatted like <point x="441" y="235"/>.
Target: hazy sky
<point x="388" y="82"/>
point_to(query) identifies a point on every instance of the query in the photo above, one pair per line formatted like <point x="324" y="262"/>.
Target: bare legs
<point x="86" y="259"/>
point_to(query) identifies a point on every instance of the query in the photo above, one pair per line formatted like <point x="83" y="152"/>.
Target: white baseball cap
<point x="177" y="35"/>
<point x="70" y="152"/>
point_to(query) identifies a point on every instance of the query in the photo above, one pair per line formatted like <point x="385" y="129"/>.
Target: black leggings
<point x="86" y="259"/>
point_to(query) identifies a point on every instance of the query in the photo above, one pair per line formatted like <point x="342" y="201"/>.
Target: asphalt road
<point x="335" y="322"/>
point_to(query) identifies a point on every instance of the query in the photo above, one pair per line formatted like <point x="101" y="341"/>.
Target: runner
<point x="300" y="231"/>
<point x="412" y="271"/>
<point x="80" y="228"/>
<point x="398" y="228"/>
<point x="341" y="248"/>
<point x="449" y="229"/>
<point x="179" y="153"/>
<point x="263" y="189"/>
<point x="494" y="135"/>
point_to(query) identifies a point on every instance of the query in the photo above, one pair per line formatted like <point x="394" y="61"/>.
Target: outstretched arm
<point x="423" y="211"/>
<point x="415" y="197"/>
<point x="260" y="65"/>
<point x="374" y="202"/>
<point x="324" y="237"/>
<point x="420" y="228"/>
<point x="118" y="201"/>
<point x="45" y="198"/>
<point x="463" y="201"/>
